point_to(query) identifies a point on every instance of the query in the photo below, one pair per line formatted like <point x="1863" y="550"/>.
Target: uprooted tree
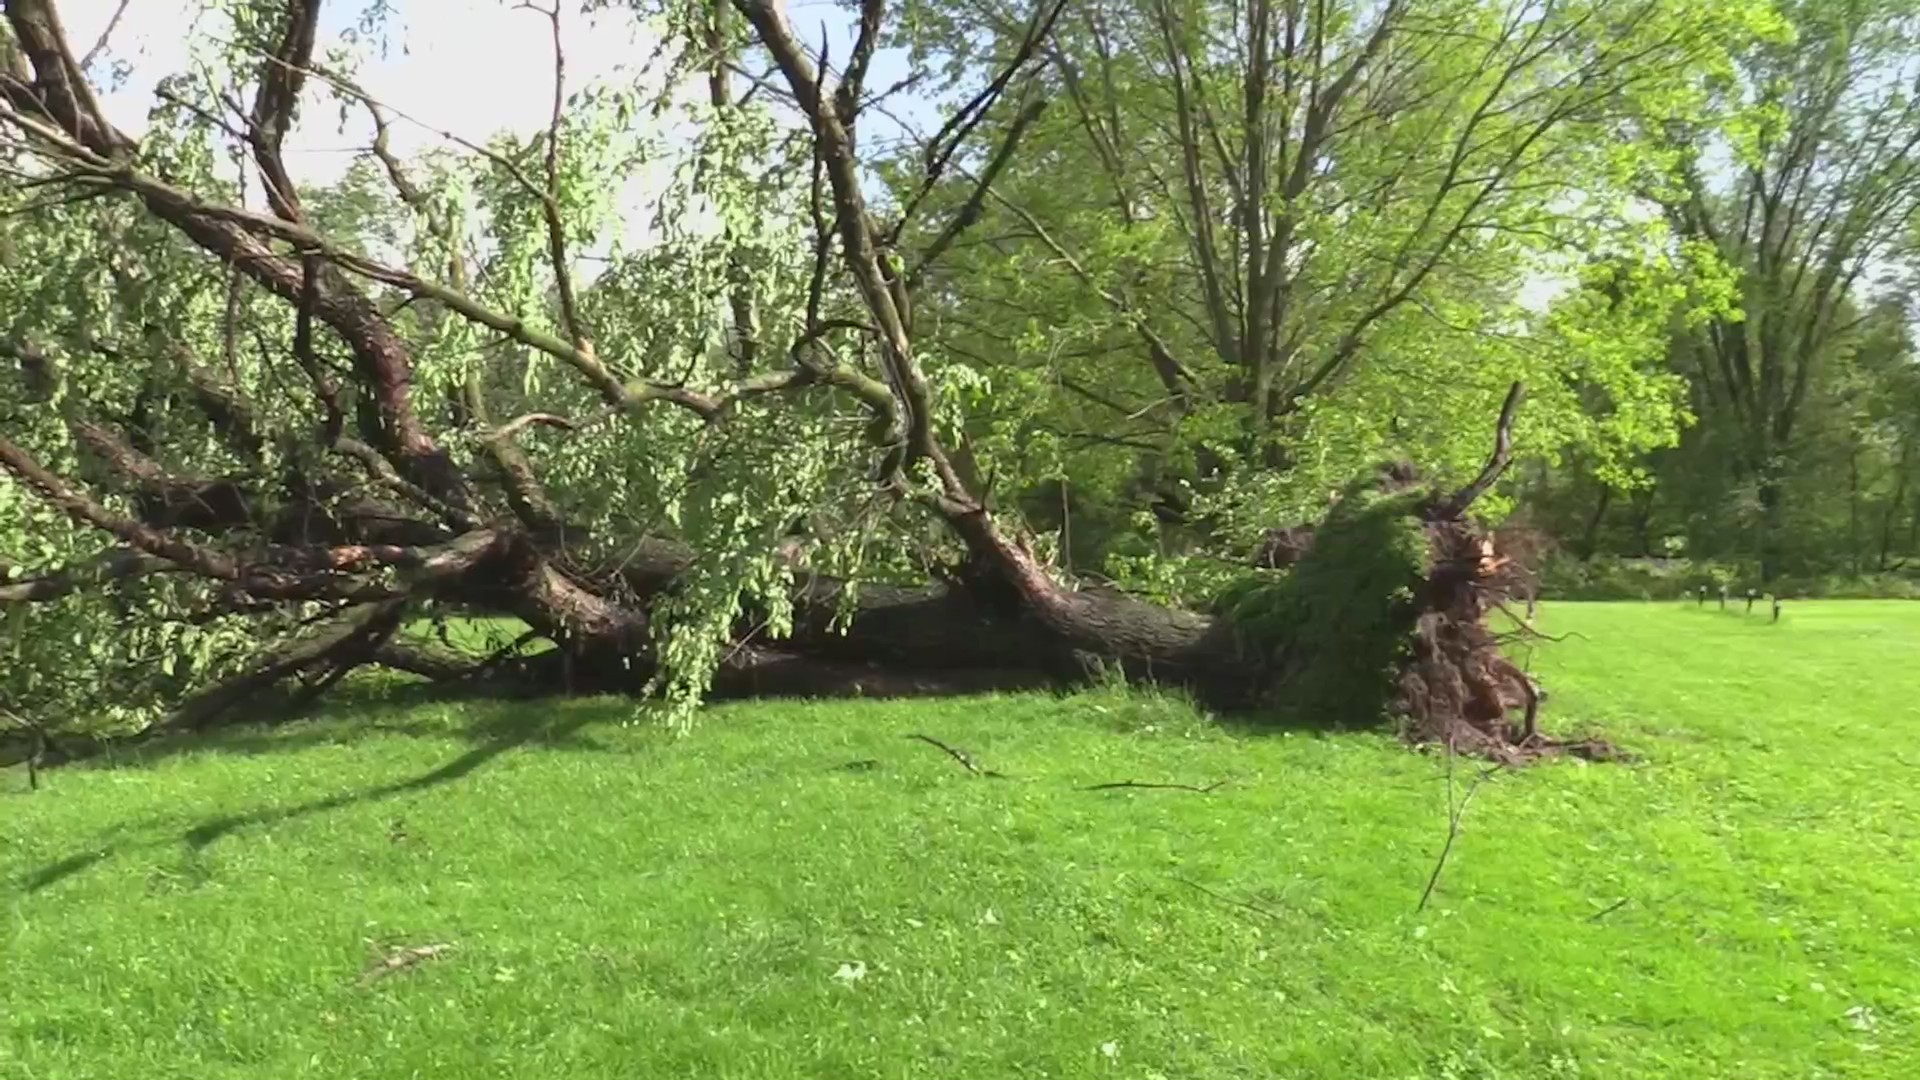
<point x="253" y="430"/>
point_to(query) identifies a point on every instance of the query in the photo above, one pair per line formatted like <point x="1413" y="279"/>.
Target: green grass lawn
<point x="743" y="902"/>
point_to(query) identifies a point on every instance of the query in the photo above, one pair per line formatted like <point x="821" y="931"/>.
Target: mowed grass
<point x="799" y="890"/>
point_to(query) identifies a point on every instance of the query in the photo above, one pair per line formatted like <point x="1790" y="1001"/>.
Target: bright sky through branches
<point x="474" y="68"/>
<point x="470" y="68"/>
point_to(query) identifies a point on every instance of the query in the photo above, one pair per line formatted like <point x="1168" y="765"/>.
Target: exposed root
<point x="1457" y="688"/>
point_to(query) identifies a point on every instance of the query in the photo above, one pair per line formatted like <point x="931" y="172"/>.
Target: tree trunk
<point x="1853" y="509"/>
<point x="1893" y="506"/>
<point x="1772" y="518"/>
<point x="1643" y="522"/>
<point x="1913" y="530"/>
<point x="1385" y="611"/>
<point x="1590" y="536"/>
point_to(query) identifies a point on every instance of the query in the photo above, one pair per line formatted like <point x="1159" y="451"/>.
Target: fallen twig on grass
<point x="1609" y="909"/>
<point x="1455" y="811"/>
<point x="958" y="755"/>
<point x="1223" y="898"/>
<point x="400" y="960"/>
<point x="1166" y="787"/>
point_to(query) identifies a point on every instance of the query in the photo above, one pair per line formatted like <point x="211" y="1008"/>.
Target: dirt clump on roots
<point x="1456" y="687"/>
<point x="1384" y="607"/>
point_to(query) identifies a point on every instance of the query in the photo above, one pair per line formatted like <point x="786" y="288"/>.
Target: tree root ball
<point x="1385" y="608"/>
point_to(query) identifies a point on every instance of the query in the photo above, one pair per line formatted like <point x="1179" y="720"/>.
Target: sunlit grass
<point x="801" y="890"/>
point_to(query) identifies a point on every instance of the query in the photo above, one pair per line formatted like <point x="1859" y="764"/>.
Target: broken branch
<point x="958" y="755"/>
<point x="1210" y="788"/>
<point x="1496" y="465"/>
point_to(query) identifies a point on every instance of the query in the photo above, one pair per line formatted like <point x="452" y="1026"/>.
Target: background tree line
<point x="1801" y="457"/>
<point x="1714" y="294"/>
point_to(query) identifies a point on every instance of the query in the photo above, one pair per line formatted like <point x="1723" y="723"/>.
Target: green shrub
<point x="1610" y="578"/>
<point x="1330" y="631"/>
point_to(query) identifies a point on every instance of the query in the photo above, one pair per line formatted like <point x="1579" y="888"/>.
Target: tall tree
<point x="1298" y="233"/>
<point x="1807" y="194"/>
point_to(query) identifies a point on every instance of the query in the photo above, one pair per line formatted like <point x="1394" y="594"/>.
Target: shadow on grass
<point x="495" y="735"/>
<point x="361" y="710"/>
<point x="65" y="868"/>
<point x="207" y="832"/>
<point x="494" y="724"/>
<point x="375" y="706"/>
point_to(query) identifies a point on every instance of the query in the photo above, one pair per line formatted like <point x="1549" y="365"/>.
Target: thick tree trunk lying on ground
<point x="1439" y="667"/>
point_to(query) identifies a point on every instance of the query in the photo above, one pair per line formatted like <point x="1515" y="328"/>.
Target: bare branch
<point x="740" y="284"/>
<point x="239" y="237"/>
<point x="348" y="640"/>
<point x="281" y="81"/>
<point x="1455" y="812"/>
<point x="961" y="756"/>
<point x="847" y="96"/>
<point x="60" y="90"/>
<point x="1157" y="344"/>
<point x="1496" y="465"/>
<point x="969" y="212"/>
<point x="526" y="495"/>
<point x="106" y="35"/>
<point x="954" y="132"/>
<point x="1207" y="790"/>
<point x="550" y="198"/>
<point x="873" y="272"/>
<point x="958" y="127"/>
<point x="87" y="511"/>
<point x="519" y="423"/>
<point x="1243" y="904"/>
<point x="822" y="246"/>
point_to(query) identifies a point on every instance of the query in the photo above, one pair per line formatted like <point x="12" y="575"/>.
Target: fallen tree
<point x="325" y="516"/>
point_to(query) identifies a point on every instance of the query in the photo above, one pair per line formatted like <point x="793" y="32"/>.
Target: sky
<point x="472" y="68"/>
<point x="469" y="67"/>
<point x="478" y="67"/>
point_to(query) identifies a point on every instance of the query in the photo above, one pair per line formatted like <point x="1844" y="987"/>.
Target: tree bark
<point x="1772" y="522"/>
<point x="1590" y="536"/>
<point x="1902" y="477"/>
